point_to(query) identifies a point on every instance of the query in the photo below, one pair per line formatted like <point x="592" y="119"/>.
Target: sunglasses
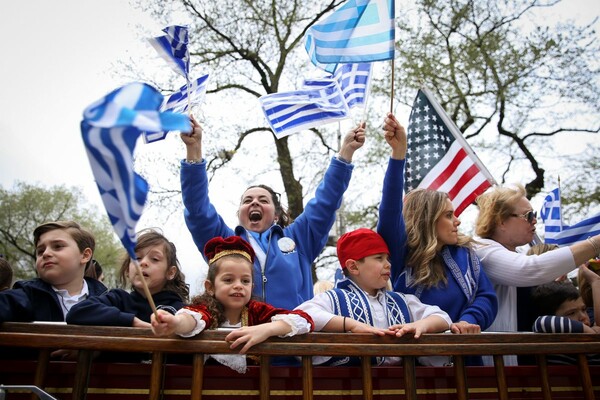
<point x="529" y="216"/>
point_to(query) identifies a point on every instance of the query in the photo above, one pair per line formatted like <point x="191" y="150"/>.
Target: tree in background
<point x="26" y="206"/>
<point x="251" y="49"/>
<point x="496" y="72"/>
<point x="495" y="68"/>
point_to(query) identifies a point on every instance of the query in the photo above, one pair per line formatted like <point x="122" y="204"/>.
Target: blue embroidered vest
<point x="351" y="301"/>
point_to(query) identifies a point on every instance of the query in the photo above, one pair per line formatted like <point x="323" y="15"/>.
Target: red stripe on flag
<point x="469" y="199"/>
<point x="463" y="180"/>
<point x="449" y="170"/>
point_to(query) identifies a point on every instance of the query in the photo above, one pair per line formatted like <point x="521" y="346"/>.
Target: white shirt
<point x="320" y="308"/>
<point x="67" y="301"/>
<point x="508" y="270"/>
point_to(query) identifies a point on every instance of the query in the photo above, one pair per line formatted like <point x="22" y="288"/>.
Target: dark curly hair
<point x="214" y="306"/>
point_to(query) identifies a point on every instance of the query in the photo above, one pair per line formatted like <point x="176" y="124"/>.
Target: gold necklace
<point x="245" y="316"/>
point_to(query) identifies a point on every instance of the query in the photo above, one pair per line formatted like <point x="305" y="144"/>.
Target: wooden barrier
<point x="375" y="382"/>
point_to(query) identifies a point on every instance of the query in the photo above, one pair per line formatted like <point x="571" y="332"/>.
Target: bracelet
<point x="193" y="161"/>
<point x="344" y="325"/>
<point x="594" y="245"/>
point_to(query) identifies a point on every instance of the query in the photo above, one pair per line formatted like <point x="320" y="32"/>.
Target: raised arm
<point x="201" y="216"/>
<point x="391" y="221"/>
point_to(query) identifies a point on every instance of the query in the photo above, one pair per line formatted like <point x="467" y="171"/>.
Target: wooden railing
<point x="87" y="340"/>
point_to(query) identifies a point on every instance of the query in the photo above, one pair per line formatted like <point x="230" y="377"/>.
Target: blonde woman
<point x="506" y="221"/>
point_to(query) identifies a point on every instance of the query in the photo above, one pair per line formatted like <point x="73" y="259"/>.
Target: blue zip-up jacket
<point x="35" y="300"/>
<point x="118" y="307"/>
<point x="288" y="269"/>
<point x="481" y="308"/>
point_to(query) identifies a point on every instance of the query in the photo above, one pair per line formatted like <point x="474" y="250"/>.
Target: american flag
<point x="439" y="158"/>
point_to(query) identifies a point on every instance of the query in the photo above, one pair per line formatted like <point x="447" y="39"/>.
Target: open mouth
<point x="237" y="295"/>
<point x="255" y="216"/>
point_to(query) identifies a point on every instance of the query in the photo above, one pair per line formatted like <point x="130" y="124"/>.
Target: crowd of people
<point x="416" y="274"/>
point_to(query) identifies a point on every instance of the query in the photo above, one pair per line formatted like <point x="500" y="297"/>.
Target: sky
<point x="59" y="57"/>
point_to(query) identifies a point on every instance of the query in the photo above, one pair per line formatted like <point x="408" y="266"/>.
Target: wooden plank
<point x="82" y="374"/>
<point x="40" y="371"/>
<point x="265" y="378"/>
<point x="367" y="378"/>
<point x="156" y="376"/>
<point x="307" y="378"/>
<point x="544" y="382"/>
<point x="410" y="377"/>
<point x="586" y="379"/>
<point x="501" y="377"/>
<point x="461" y="378"/>
<point x="197" y="376"/>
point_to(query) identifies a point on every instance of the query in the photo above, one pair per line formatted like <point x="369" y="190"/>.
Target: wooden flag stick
<point x="392" y="94"/>
<point x="189" y="101"/>
<point x="146" y="290"/>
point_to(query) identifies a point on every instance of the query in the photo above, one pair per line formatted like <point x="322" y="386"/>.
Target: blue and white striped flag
<point x="551" y="214"/>
<point x="563" y="235"/>
<point x="178" y="103"/>
<point x="291" y="112"/>
<point x="173" y="47"/>
<point x="359" y="31"/>
<point x="110" y="129"/>
<point x="354" y="80"/>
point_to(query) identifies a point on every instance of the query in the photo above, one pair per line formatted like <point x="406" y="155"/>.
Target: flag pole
<point x="146" y="290"/>
<point x="189" y="102"/>
<point x="392" y="94"/>
<point x="458" y="135"/>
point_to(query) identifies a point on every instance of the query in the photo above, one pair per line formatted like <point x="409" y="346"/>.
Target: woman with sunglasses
<point x="506" y="221"/>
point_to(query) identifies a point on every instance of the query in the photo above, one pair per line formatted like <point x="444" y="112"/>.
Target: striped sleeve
<point x="555" y="324"/>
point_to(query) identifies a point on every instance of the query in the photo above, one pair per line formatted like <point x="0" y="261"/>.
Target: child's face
<point x="447" y="226"/>
<point x="153" y="263"/>
<point x="233" y="283"/>
<point x="58" y="259"/>
<point x="575" y="310"/>
<point x="373" y="273"/>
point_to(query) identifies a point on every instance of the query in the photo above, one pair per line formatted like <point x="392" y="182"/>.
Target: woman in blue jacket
<point x="429" y="257"/>
<point x="285" y="253"/>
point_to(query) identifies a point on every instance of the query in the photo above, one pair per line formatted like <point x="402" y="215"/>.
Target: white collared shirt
<point x="67" y="301"/>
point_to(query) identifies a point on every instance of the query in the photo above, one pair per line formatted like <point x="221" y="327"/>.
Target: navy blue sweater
<point x="35" y="300"/>
<point x="118" y="308"/>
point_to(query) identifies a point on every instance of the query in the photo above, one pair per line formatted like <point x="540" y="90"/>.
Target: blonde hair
<point x="495" y="207"/>
<point x="422" y="209"/>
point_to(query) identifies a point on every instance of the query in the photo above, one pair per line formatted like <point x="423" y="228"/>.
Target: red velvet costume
<point x="258" y="313"/>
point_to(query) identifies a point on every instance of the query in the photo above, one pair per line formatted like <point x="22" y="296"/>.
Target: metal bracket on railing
<point x="40" y="393"/>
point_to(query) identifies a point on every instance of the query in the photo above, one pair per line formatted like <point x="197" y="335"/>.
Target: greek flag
<point x="359" y="31"/>
<point x="173" y="47"/>
<point x="552" y="215"/>
<point x="110" y="129"/>
<point x="354" y="80"/>
<point x="563" y="235"/>
<point x="178" y="103"/>
<point x="291" y="112"/>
